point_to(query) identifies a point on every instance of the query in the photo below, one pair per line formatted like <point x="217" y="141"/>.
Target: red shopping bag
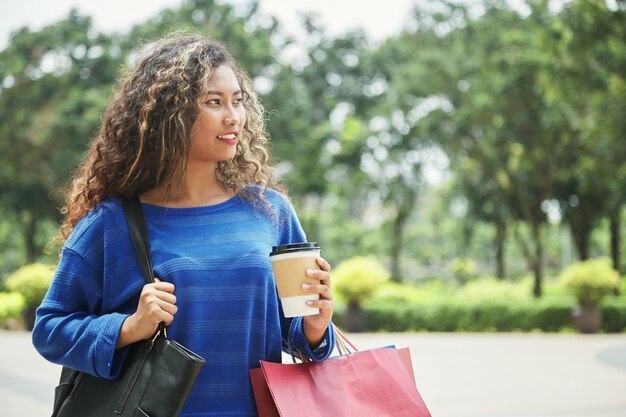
<point x="372" y="383"/>
<point x="262" y="396"/>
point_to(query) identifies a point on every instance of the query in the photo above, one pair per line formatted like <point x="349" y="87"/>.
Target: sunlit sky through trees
<point x="118" y="15"/>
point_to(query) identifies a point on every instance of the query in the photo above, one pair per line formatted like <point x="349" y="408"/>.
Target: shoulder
<point x="276" y="197"/>
<point x="94" y="224"/>
<point x="276" y="201"/>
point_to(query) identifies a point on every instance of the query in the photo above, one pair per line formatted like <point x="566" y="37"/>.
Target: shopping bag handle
<point x="341" y="340"/>
<point x="344" y="346"/>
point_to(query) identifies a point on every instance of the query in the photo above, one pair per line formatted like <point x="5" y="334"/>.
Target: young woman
<point x="184" y="133"/>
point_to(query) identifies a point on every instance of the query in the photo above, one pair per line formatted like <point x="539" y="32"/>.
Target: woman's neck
<point x="199" y="187"/>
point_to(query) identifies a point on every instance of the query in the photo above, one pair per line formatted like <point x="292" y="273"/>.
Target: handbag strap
<point x="139" y="235"/>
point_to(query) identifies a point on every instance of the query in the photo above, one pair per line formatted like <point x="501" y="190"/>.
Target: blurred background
<point x="455" y="159"/>
<point x="461" y="163"/>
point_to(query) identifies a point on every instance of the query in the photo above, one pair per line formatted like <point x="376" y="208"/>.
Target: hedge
<point x="496" y="316"/>
<point x="11" y="306"/>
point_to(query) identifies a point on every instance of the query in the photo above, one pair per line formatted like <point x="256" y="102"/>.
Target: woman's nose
<point x="231" y="118"/>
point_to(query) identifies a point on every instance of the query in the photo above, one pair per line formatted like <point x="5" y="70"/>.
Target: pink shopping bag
<point x="371" y="383"/>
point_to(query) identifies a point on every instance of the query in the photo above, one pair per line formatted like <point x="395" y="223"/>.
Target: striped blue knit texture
<point x="216" y="256"/>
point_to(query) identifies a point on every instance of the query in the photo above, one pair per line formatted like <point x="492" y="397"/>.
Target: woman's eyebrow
<point x="219" y="93"/>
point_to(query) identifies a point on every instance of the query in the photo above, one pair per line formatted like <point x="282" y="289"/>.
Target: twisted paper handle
<point x="341" y="340"/>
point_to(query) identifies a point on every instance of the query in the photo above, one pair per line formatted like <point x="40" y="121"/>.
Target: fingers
<point x="319" y="322"/>
<point x="158" y="302"/>
<point x="322" y="275"/>
<point x="321" y="289"/>
<point x="322" y="304"/>
<point x="166" y="296"/>
<point x="162" y="286"/>
<point x="159" y="291"/>
<point x="168" y="307"/>
<point x="161" y="313"/>
<point x="323" y="263"/>
<point x="166" y="317"/>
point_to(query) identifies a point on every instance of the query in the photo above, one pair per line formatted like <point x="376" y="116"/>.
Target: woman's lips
<point x="230" y="138"/>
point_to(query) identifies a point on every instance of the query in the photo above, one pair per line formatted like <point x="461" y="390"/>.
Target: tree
<point x="585" y="87"/>
<point x="55" y="83"/>
<point x="495" y="124"/>
<point x="247" y="34"/>
<point x="310" y="100"/>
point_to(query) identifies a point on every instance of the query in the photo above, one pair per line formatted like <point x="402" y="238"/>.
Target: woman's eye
<point x="215" y="101"/>
<point x="238" y="100"/>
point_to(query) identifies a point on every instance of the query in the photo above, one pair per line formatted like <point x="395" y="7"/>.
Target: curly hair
<point x="144" y="138"/>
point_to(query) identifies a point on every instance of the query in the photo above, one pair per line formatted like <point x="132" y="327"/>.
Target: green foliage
<point x="60" y="78"/>
<point x="490" y="288"/>
<point x="527" y="108"/>
<point x="11" y="305"/>
<point x="448" y="316"/>
<point x="614" y="314"/>
<point x="463" y="269"/>
<point x="358" y="277"/>
<point x="394" y="293"/>
<point x="32" y="282"/>
<point x="482" y="305"/>
<point x="591" y="280"/>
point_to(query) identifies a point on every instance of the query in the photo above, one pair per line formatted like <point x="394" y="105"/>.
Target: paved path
<point x="458" y="374"/>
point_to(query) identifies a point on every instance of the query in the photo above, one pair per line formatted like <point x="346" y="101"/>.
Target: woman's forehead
<point x="223" y="80"/>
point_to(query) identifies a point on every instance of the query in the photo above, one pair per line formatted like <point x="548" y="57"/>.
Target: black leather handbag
<point x="158" y="373"/>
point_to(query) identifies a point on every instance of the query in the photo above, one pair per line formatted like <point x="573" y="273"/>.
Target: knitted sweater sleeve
<point x="294" y="340"/>
<point x="70" y="328"/>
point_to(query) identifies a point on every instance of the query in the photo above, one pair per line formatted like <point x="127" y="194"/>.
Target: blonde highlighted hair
<point x="145" y="134"/>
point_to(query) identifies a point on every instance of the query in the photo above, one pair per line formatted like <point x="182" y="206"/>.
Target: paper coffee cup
<point x="290" y="263"/>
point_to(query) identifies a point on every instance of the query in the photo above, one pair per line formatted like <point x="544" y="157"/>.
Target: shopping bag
<point x="263" y="396"/>
<point x="371" y="383"/>
<point x="405" y="358"/>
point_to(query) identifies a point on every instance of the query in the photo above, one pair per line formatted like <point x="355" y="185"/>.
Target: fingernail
<point x="311" y="272"/>
<point x="305" y="286"/>
<point x="309" y="303"/>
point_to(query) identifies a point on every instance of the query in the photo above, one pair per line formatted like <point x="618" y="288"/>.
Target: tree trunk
<point x="538" y="279"/>
<point x="534" y="258"/>
<point x="29" y="230"/>
<point x="615" y="226"/>
<point x="581" y="239"/>
<point x="499" y="243"/>
<point x="396" y="243"/>
<point x="581" y="224"/>
<point x="538" y="260"/>
<point x="404" y="210"/>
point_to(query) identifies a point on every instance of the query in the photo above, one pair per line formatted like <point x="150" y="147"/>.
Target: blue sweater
<point x="228" y="310"/>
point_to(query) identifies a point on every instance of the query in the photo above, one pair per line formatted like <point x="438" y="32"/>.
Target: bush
<point x="482" y="305"/>
<point x="463" y="269"/>
<point x="32" y="282"/>
<point x="449" y="316"/>
<point x="358" y="277"/>
<point x="590" y="281"/>
<point x="614" y="314"/>
<point x="394" y="293"/>
<point x="11" y="306"/>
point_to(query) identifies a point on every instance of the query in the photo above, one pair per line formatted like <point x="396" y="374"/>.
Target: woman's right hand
<point x="157" y="303"/>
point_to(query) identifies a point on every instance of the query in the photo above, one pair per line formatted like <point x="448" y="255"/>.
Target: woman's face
<point x="220" y="119"/>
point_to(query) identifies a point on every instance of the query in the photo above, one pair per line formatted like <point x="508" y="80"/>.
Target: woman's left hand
<point x="315" y="326"/>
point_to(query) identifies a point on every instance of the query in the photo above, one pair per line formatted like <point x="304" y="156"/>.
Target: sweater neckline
<point x="153" y="208"/>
